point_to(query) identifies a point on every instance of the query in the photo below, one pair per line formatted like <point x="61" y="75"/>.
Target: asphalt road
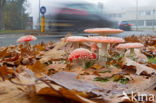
<point x="10" y="39"/>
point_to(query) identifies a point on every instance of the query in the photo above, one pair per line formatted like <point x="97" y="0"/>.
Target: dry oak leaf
<point x="52" y="54"/>
<point x="11" y="59"/>
<point x="69" y="81"/>
<point x="4" y="53"/>
<point x="96" y="66"/>
<point x="38" y="68"/>
<point x="55" y="53"/>
<point x="65" y="93"/>
<point x="139" y="67"/>
<point x="5" y="72"/>
<point x="152" y="65"/>
<point x="140" y="57"/>
<point x="48" y="91"/>
<point x="27" y="77"/>
<point x="39" y="47"/>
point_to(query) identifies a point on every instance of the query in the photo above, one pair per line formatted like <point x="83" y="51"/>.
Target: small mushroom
<point x="26" y="39"/>
<point x="130" y="46"/>
<point x="76" y="39"/>
<point x="81" y="56"/>
<point x="74" y="42"/>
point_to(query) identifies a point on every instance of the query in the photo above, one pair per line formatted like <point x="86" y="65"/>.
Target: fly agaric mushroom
<point x="104" y="43"/>
<point x="100" y="40"/>
<point x="76" y="39"/>
<point x="26" y="38"/>
<point x="130" y="46"/>
<point x="103" y="31"/>
<point x="81" y="56"/>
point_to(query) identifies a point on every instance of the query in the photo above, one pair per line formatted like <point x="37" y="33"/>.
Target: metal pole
<point x="153" y="19"/>
<point x="39" y="14"/>
<point x="136" y="23"/>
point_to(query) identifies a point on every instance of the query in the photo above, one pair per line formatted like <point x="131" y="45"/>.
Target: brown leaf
<point x="96" y="66"/>
<point x="48" y="91"/>
<point x="3" y="53"/>
<point x="75" y="95"/>
<point x="38" y="68"/>
<point x="65" y="93"/>
<point x="39" y="47"/>
<point x="139" y="67"/>
<point x="129" y="69"/>
<point x="69" y="81"/>
<point x="132" y="39"/>
<point x="5" y="72"/>
<point x="152" y="65"/>
<point x="11" y="59"/>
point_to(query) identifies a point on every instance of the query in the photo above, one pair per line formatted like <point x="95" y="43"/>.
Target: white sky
<point x="108" y="4"/>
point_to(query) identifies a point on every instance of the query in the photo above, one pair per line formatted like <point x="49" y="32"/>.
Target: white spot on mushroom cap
<point x="80" y="53"/>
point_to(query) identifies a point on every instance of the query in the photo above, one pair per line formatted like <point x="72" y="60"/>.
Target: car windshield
<point x="124" y="22"/>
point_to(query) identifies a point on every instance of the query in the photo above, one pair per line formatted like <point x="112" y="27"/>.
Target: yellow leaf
<point x="96" y="66"/>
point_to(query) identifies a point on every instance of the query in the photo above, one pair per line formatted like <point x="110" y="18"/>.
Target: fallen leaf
<point x="151" y="65"/>
<point x="69" y="80"/>
<point x="38" y="68"/>
<point x="3" y="53"/>
<point x="139" y="67"/>
<point x="96" y="66"/>
<point x="5" y="72"/>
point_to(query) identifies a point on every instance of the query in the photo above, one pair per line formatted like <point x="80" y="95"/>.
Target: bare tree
<point x="2" y="3"/>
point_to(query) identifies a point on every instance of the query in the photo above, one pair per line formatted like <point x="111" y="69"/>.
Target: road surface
<point x="10" y="39"/>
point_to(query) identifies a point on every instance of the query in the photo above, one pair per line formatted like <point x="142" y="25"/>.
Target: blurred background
<point x="77" y="15"/>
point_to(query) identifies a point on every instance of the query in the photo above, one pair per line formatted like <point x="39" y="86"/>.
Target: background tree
<point x="2" y="3"/>
<point x="14" y="15"/>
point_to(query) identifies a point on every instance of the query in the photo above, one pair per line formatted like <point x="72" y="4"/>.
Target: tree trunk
<point x="2" y="3"/>
<point x="1" y="18"/>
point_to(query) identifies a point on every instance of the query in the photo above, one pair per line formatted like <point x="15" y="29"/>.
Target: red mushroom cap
<point x="76" y="39"/>
<point x="101" y="39"/>
<point x="81" y="53"/>
<point x="26" y="38"/>
<point x="103" y="31"/>
<point x="129" y="45"/>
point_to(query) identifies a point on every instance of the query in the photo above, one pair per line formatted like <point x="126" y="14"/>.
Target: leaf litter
<point x="43" y="74"/>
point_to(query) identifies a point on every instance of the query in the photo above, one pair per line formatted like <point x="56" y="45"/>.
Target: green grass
<point x="16" y="31"/>
<point x="152" y="60"/>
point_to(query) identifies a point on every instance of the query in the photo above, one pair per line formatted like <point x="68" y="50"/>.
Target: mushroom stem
<point x="107" y="51"/>
<point x="132" y="54"/>
<point x="102" y="53"/>
<point x="76" y="45"/>
<point x="83" y="64"/>
<point x="27" y="45"/>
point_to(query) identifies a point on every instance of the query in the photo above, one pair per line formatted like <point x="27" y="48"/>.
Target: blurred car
<point x="124" y="25"/>
<point x="77" y="16"/>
